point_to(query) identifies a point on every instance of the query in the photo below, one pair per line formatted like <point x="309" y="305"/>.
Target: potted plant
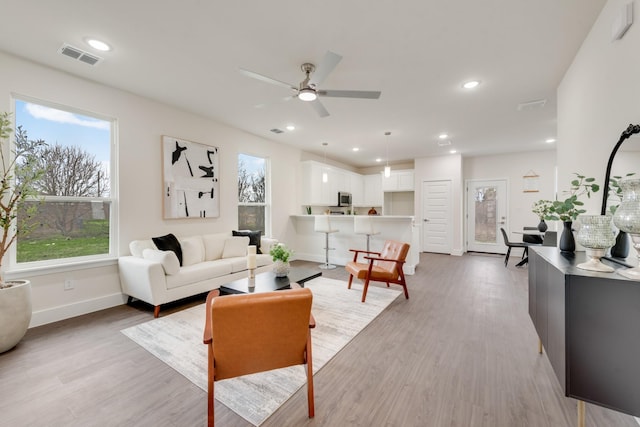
<point x="567" y="210"/>
<point x="18" y="174"/>
<point x="541" y="208"/>
<point x="280" y="255"/>
<point x="621" y="248"/>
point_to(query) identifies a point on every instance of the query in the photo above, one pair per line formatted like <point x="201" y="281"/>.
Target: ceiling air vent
<point x="276" y="130"/>
<point x="79" y="54"/>
<point x="531" y="105"/>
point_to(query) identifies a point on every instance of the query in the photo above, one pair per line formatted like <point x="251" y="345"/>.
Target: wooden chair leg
<point x="350" y="280"/>
<point x="310" y="397"/>
<point x="156" y="311"/>
<point x="364" y="290"/>
<point x="210" y="389"/>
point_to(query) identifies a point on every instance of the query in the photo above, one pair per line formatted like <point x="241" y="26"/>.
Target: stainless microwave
<point x="344" y="199"/>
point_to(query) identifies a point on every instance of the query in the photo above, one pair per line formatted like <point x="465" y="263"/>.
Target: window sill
<point x="27" y="272"/>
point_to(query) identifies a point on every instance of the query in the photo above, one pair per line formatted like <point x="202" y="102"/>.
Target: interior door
<point x="486" y="214"/>
<point x="436" y="216"/>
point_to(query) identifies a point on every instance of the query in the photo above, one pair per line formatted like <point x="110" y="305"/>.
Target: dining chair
<point x="259" y="332"/>
<point x="531" y="238"/>
<point x="510" y="245"/>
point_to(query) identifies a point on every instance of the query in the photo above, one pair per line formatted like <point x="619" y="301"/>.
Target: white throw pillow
<point x="235" y="246"/>
<point x="192" y="250"/>
<point x="214" y="245"/>
<point x="168" y="259"/>
<point x="137" y="246"/>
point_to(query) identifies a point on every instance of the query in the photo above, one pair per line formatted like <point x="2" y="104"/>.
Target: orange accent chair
<point x="258" y="332"/>
<point x="385" y="267"/>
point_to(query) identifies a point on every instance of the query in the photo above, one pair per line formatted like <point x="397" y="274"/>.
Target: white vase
<point x="15" y="313"/>
<point x="281" y="268"/>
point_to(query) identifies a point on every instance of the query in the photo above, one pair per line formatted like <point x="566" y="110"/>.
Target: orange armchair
<point x="385" y="266"/>
<point x="258" y="332"/>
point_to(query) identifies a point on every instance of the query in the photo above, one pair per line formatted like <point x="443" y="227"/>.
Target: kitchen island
<point x="309" y="244"/>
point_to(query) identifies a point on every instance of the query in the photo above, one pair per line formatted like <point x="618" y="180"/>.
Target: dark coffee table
<point x="267" y="281"/>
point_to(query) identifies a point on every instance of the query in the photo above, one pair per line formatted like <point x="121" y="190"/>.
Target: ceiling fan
<point x="308" y="90"/>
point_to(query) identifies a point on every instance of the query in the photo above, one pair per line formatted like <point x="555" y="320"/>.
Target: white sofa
<point x="208" y="261"/>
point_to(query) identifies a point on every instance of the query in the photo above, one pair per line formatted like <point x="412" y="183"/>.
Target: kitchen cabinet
<point x="399" y="180"/>
<point x="372" y="190"/>
<point x="315" y="191"/>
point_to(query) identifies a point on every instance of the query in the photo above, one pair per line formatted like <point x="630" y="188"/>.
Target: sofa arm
<point x="266" y="243"/>
<point x="142" y="279"/>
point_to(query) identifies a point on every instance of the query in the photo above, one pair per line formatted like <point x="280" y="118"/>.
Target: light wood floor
<point x="461" y="352"/>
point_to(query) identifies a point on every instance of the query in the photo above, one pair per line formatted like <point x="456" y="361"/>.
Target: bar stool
<point x="323" y="225"/>
<point x="364" y="225"/>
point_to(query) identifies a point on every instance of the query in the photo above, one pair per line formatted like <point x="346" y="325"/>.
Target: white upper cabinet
<point x="372" y="190"/>
<point x="400" y="180"/>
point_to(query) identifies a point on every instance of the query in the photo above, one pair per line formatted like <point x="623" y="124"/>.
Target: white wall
<point x="141" y="122"/>
<point x="598" y="98"/>
<point x="513" y="167"/>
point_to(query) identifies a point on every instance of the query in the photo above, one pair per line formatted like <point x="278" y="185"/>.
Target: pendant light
<point x="387" y="168"/>
<point x="325" y="177"/>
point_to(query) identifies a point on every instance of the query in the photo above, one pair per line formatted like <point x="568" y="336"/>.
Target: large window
<point x="71" y="218"/>
<point x="253" y="196"/>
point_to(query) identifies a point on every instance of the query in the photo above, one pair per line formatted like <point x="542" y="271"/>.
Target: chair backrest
<point x="505" y="237"/>
<point x="259" y="332"/>
<point x="393" y="250"/>
<point x="550" y="238"/>
<point x="322" y="223"/>
<point x="363" y="225"/>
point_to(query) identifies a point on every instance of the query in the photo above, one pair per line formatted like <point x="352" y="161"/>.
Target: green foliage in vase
<point x="569" y="208"/>
<point x="542" y="208"/>
<point x="280" y="252"/>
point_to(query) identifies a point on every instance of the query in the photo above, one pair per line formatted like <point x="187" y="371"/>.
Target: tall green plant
<point x="16" y="186"/>
<point x="569" y="208"/>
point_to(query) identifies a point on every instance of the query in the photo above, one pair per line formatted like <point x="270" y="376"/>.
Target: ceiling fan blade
<point x="326" y="66"/>
<point x="350" y="94"/>
<point x="317" y="105"/>
<point x="266" y="79"/>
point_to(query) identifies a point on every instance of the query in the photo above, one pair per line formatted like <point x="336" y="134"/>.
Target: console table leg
<point x="581" y="413"/>
<point x="539" y="346"/>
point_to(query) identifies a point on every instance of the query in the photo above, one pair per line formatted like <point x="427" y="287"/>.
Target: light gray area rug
<point x="177" y="340"/>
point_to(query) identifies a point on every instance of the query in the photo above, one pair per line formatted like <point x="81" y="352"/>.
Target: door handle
<point x="425" y="220"/>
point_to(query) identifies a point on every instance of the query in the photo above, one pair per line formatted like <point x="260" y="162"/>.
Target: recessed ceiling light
<point x="291" y="127"/>
<point x="355" y="149"/>
<point x="443" y="136"/>
<point x="378" y="160"/>
<point x="471" y="84"/>
<point x="453" y="151"/>
<point x="550" y="140"/>
<point x="98" y="45"/>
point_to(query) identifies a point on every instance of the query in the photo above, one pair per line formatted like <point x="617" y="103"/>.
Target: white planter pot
<point x="15" y="313"/>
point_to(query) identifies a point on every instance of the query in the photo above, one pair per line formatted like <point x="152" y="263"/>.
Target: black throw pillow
<point x="169" y="243"/>
<point x="254" y="237"/>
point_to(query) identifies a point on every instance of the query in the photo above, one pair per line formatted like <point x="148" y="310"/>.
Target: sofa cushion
<point x="137" y="246"/>
<point x="199" y="272"/>
<point x="192" y="250"/>
<point x="169" y="242"/>
<point x="254" y="237"/>
<point x="168" y="259"/>
<point x="235" y="247"/>
<point x="214" y="245"/>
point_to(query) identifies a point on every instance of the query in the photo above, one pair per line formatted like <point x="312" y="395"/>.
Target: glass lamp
<point x="627" y="218"/>
<point x="596" y="235"/>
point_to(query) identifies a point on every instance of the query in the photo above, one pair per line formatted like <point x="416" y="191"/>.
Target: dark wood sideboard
<point x="589" y="326"/>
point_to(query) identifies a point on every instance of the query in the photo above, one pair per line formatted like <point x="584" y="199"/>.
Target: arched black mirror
<point x="632" y="129"/>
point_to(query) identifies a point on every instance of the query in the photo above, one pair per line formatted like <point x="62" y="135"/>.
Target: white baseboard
<point x="54" y="314"/>
<point x="457" y="252"/>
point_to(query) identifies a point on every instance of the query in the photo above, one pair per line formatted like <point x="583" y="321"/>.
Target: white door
<point x="436" y="216"/>
<point x="486" y="214"/>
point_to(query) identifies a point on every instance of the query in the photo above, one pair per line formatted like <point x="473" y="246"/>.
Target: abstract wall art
<point x="191" y="179"/>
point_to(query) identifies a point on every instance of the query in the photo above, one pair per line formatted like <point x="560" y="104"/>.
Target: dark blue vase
<point x="567" y="242"/>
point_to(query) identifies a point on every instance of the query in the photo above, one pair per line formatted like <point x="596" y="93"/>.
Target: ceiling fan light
<point x="307" y="94"/>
